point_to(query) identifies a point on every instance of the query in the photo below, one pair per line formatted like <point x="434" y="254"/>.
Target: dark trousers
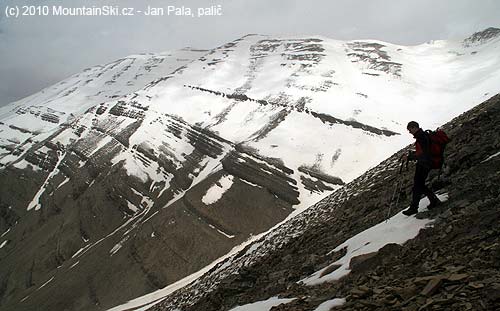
<point x="419" y="187"/>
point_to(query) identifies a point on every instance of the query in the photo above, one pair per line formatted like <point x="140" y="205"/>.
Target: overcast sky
<point x="37" y="51"/>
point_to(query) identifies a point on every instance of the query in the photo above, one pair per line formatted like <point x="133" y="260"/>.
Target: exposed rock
<point x="329" y="270"/>
<point x="357" y="262"/>
<point x="432" y="286"/>
<point x="482" y="36"/>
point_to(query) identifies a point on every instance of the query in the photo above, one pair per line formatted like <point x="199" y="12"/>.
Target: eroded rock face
<point x="373" y="55"/>
<point x="100" y="233"/>
<point x="451" y="265"/>
<point x="482" y="36"/>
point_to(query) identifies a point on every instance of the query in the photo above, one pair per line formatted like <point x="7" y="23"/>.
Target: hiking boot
<point x="434" y="203"/>
<point x="410" y="211"/>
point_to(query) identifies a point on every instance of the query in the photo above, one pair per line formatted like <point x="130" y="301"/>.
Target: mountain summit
<point x="130" y="176"/>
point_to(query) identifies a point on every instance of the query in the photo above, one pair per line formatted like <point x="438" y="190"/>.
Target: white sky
<point x="37" y="51"/>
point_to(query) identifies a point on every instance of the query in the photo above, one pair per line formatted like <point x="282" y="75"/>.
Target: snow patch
<point x="4" y="243"/>
<point x="398" y="229"/>
<point x="5" y="232"/>
<point x="221" y="232"/>
<point x="118" y="246"/>
<point x="264" y="305"/>
<point x="131" y="206"/>
<point x="44" y="284"/>
<point x="115" y="249"/>
<point x="491" y="157"/>
<point x="23" y="164"/>
<point x="35" y="203"/>
<point x="63" y="183"/>
<point x="251" y="184"/>
<point x="327" y="305"/>
<point x="216" y="192"/>
<point x="229" y="236"/>
<point x="142" y="170"/>
<point x="81" y="250"/>
<point x="130" y="165"/>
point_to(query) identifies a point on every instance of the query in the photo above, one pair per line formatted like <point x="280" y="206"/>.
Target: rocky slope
<point x="451" y="265"/>
<point x="130" y="176"/>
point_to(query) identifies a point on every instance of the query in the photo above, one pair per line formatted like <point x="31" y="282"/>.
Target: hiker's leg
<point x="419" y="187"/>
<point x="417" y="190"/>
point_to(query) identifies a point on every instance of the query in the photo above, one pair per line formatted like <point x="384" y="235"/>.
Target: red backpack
<point x="438" y="140"/>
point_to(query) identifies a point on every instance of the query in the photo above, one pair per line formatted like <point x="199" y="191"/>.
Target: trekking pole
<point x="397" y="189"/>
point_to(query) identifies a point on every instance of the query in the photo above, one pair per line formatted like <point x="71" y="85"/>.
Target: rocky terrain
<point x="126" y="178"/>
<point x="451" y="265"/>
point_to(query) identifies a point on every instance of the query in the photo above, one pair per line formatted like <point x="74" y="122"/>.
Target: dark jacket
<point x="422" y="152"/>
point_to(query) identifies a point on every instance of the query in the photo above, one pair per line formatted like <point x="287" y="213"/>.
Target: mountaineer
<point x="429" y="149"/>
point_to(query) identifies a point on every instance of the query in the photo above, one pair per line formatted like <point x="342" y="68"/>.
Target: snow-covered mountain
<point x="40" y="114"/>
<point x="130" y="176"/>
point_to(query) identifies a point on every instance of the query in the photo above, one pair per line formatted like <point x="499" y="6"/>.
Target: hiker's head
<point x="412" y="127"/>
